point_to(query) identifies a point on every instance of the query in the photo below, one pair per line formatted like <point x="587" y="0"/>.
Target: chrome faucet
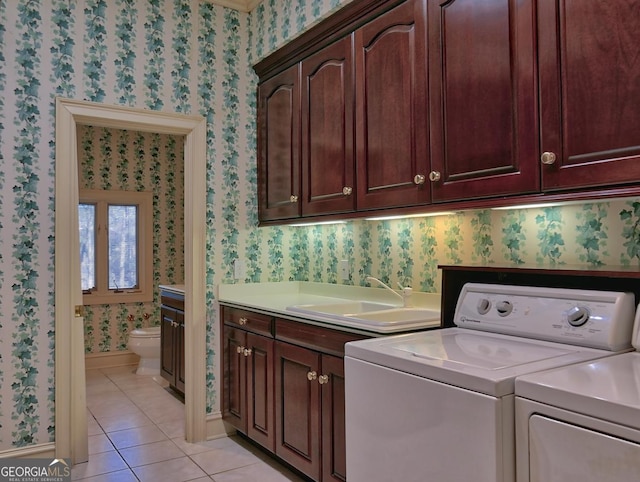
<point x="406" y="291"/>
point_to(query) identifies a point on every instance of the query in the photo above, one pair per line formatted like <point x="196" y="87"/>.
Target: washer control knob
<point x="504" y="308"/>
<point x="578" y="316"/>
<point x="484" y="305"/>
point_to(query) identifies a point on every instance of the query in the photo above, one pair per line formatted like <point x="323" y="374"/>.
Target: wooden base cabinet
<point x="310" y="425"/>
<point x="172" y="341"/>
<point x="248" y="394"/>
<point x="283" y="387"/>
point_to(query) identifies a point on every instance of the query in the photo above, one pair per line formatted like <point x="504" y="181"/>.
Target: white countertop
<point x="177" y="289"/>
<point x="274" y="298"/>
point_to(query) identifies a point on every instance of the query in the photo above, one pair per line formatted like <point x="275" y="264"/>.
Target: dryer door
<point x="561" y="452"/>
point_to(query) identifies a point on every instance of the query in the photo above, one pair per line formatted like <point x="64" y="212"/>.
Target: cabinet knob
<point x="419" y="179"/>
<point x="240" y="349"/>
<point x="434" y="176"/>
<point x="548" y="158"/>
<point x="293" y="198"/>
<point x="242" y="321"/>
<point x="347" y="190"/>
<point x="322" y="379"/>
<point x="246" y="352"/>
<point x="175" y="324"/>
<point x="312" y="376"/>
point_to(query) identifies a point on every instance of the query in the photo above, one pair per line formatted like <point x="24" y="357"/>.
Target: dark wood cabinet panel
<point x="327" y="130"/>
<point x="234" y="389"/>
<point x="589" y="92"/>
<point x="278" y="146"/>
<point x="248" y="375"/>
<point x="391" y="131"/>
<point x="260" y="391"/>
<point x="298" y="408"/>
<point x="334" y="462"/>
<point x="482" y="98"/>
<point x="172" y="366"/>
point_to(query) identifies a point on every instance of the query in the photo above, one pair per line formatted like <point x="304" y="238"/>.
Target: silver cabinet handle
<point x="548" y="158"/>
<point x="242" y="321"/>
<point x="312" y="376"/>
<point x="322" y="379"/>
<point x="347" y="190"/>
<point x="293" y="198"/>
<point x="434" y="176"/>
<point x="419" y="179"/>
<point x="240" y="349"/>
<point x="247" y="352"/>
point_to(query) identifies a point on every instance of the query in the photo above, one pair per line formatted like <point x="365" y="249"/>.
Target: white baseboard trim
<point x="40" y="451"/>
<point x="218" y="428"/>
<point x="110" y="359"/>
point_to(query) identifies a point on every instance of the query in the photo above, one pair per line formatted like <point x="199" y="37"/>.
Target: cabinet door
<point x="278" y="146"/>
<point x="589" y="91"/>
<point x="168" y="333"/>
<point x="333" y="424"/>
<point x="391" y="131"/>
<point x="179" y="352"/>
<point x="482" y="98"/>
<point x="298" y="408"/>
<point x="234" y="390"/>
<point x="260" y="392"/>
<point x="327" y="130"/>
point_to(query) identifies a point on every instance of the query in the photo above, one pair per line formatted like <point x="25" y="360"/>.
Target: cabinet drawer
<point x="249" y="321"/>
<point x="174" y="301"/>
<point x="324" y="340"/>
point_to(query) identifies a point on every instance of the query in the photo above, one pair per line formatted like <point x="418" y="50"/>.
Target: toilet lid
<point x="150" y="332"/>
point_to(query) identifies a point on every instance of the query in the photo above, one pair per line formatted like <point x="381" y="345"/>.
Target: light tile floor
<point x="136" y="433"/>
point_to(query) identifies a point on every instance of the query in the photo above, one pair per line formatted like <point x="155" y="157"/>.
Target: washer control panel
<point x="590" y="318"/>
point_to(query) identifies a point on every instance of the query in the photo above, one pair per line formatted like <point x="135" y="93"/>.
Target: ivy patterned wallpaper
<point x="136" y="161"/>
<point x="194" y="57"/>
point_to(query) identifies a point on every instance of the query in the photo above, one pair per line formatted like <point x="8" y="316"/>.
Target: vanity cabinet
<point x="172" y="340"/>
<point x="482" y="103"/>
<point x="283" y="387"/>
<point x="589" y="93"/>
<point x="248" y="389"/>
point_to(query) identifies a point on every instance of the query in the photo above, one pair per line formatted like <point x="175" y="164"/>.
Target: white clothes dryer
<point x="581" y="422"/>
<point x="439" y="405"/>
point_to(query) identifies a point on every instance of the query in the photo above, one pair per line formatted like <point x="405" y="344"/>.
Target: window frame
<point x="143" y="200"/>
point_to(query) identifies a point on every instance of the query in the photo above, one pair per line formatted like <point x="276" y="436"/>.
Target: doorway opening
<point x="70" y="391"/>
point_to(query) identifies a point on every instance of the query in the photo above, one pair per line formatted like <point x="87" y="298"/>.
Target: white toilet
<point x="145" y="342"/>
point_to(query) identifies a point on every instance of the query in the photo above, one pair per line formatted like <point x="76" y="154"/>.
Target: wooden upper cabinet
<point x="482" y="98"/>
<point x="391" y="131"/>
<point x="327" y="130"/>
<point x="589" y="92"/>
<point x="279" y="146"/>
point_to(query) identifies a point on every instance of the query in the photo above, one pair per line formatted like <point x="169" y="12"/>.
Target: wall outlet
<point x="239" y="269"/>
<point x="343" y="267"/>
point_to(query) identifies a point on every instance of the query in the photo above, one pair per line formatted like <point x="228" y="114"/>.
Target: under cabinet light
<point x="318" y="223"/>
<point x="404" y="216"/>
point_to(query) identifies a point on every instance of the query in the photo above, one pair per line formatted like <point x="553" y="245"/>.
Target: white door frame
<point x="70" y="406"/>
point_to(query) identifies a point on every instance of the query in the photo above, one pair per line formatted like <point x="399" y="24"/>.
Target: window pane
<point x="123" y="255"/>
<point x="87" y="222"/>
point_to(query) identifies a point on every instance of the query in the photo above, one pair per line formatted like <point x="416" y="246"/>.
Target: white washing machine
<point x="439" y="405"/>
<point x="581" y="422"/>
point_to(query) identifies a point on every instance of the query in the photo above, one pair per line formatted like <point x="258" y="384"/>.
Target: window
<point x="116" y="251"/>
